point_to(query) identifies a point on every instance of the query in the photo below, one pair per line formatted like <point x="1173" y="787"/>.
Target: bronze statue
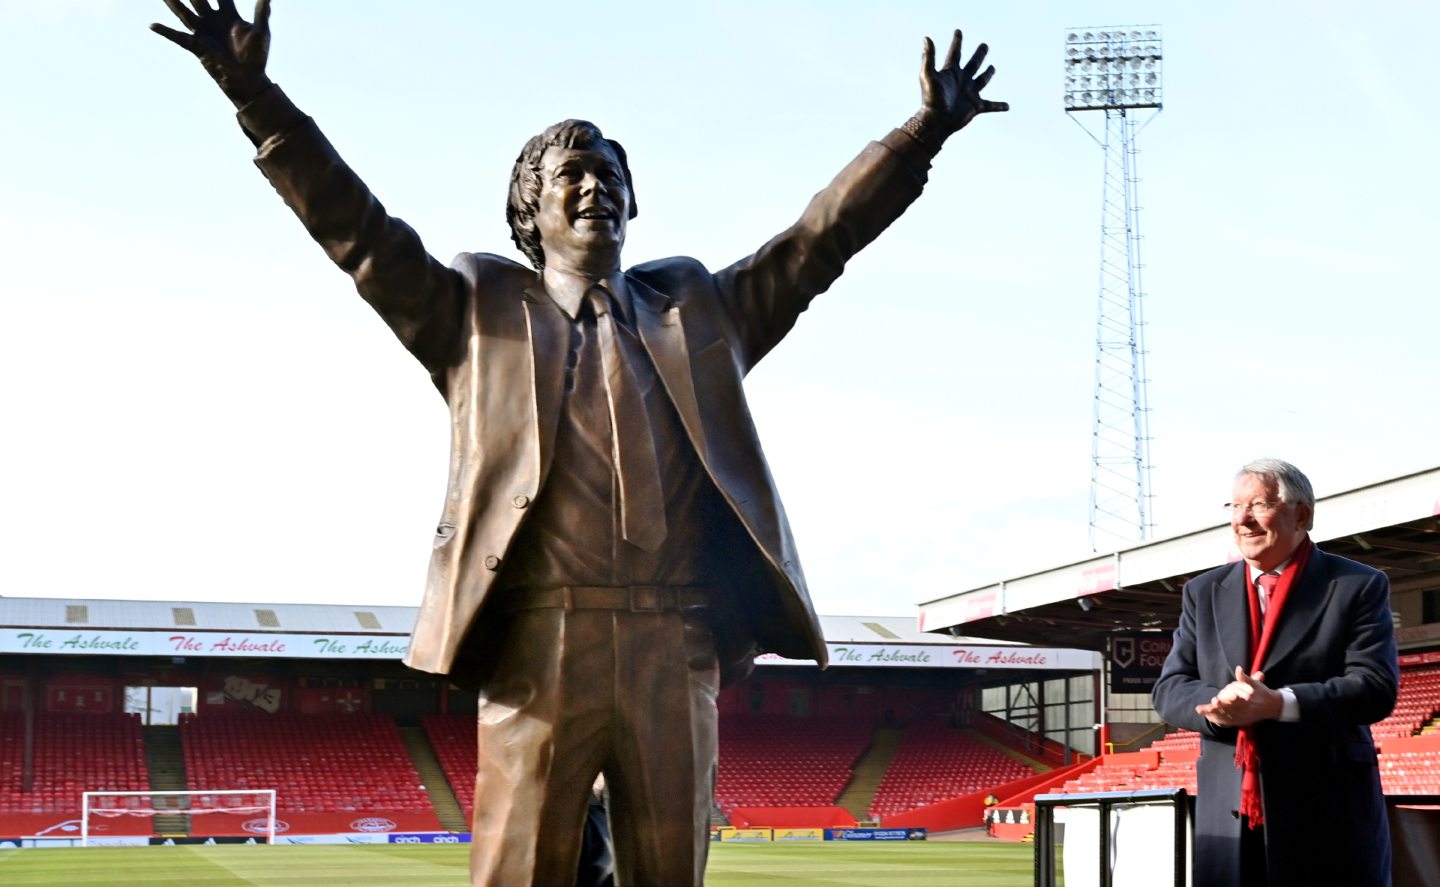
<point x="612" y="548"/>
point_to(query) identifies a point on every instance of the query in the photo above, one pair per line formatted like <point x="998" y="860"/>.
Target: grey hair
<point x="1291" y="483"/>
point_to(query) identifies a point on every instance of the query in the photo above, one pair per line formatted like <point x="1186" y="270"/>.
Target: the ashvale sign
<point x="201" y="643"/>
<point x="947" y="656"/>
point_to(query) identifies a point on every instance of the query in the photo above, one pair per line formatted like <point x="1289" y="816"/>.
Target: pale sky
<point x="196" y="404"/>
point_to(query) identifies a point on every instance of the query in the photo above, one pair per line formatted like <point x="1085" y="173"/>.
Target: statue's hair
<point x="1290" y="482"/>
<point x="525" y="180"/>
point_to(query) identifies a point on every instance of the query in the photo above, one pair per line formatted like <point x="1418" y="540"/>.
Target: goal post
<point x="236" y="802"/>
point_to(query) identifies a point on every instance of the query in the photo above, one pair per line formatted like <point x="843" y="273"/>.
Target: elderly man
<point x="612" y="543"/>
<point x="1281" y="662"/>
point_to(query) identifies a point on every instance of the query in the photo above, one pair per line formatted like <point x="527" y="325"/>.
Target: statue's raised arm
<point x="950" y="96"/>
<point x="232" y="50"/>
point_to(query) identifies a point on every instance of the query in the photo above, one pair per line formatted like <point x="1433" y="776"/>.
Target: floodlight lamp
<point x="1072" y="37"/>
<point x="1151" y="78"/>
<point x="1069" y="100"/>
<point x="1134" y="35"/>
<point x="1089" y="36"/>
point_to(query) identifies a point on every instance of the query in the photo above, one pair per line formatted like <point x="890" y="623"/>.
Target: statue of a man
<point x="612" y="548"/>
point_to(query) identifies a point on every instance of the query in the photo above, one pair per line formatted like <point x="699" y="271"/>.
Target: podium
<point x="1114" y="839"/>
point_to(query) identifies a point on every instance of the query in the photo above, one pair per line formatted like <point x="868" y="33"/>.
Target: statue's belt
<point x="634" y="598"/>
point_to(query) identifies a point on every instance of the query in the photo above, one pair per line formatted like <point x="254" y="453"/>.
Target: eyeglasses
<point x="1259" y="509"/>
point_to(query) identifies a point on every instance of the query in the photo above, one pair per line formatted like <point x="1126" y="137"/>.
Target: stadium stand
<point x="343" y="765"/>
<point x="787" y="762"/>
<point x="453" y="739"/>
<point x="935" y="762"/>
<point x="1418" y="704"/>
<point x="73" y="753"/>
<point x="784" y="762"/>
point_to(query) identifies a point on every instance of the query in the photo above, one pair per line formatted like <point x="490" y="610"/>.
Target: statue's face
<point x="584" y="205"/>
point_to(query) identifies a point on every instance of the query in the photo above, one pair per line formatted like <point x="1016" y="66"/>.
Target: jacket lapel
<point x="1310" y="595"/>
<point x="549" y="336"/>
<point x="657" y="319"/>
<point x="1232" y="619"/>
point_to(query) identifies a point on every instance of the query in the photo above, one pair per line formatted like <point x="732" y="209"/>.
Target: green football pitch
<point x="929" y="864"/>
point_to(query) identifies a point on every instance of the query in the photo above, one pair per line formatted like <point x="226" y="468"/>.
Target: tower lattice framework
<point x="1117" y="71"/>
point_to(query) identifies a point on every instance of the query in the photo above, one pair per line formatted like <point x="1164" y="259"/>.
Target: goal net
<point x="252" y="810"/>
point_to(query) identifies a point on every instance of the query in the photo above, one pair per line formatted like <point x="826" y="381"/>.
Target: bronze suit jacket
<point x="499" y="363"/>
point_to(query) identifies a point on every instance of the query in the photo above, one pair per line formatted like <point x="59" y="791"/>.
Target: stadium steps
<point x="166" y="764"/>
<point x="432" y="775"/>
<point x="867" y="773"/>
<point x="1035" y="764"/>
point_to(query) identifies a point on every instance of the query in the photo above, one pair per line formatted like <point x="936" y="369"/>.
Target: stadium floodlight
<point x="1118" y="71"/>
<point x="1102" y="69"/>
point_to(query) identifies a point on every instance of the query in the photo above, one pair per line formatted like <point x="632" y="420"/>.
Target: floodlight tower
<point x="1117" y="70"/>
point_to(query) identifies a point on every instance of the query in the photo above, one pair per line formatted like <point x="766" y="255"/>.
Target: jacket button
<point x="520" y="501"/>
<point x="492" y="562"/>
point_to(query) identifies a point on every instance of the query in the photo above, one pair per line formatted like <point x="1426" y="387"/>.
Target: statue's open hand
<point x="231" y="49"/>
<point x="950" y="96"/>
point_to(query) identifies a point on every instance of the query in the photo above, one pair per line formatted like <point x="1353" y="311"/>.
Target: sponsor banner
<point x="1136" y="659"/>
<point x="123" y="841"/>
<point x="1425" y="658"/>
<point x="127" y="841"/>
<point x="875" y="834"/>
<point x="379" y="823"/>
<point x="330" y="839"/>
<point x="195" y="839"/>
<point x="947" y="656"/>
<point x="67" y="825"/>
<point x="799" y="834"/>
<point x="430" y="838"/>
<point x="747" y="834"/>
<point x="251" y="645"/>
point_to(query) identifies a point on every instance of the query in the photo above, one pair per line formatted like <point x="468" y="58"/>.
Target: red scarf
<point x="1247" y="757"/>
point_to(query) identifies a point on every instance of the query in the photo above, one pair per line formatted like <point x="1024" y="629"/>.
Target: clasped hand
<point x="1242" y="702"/>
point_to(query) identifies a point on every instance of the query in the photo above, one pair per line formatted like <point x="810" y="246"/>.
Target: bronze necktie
<point x="632" y="446"/>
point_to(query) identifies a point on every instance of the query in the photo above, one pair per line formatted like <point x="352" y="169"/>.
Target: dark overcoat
<point x="1325" y="819"/>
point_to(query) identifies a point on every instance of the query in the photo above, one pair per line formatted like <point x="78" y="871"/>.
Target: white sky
<point x="196" y="405"/>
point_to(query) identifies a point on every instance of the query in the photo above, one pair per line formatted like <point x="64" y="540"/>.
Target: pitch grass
<point x="929" y="864"/>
